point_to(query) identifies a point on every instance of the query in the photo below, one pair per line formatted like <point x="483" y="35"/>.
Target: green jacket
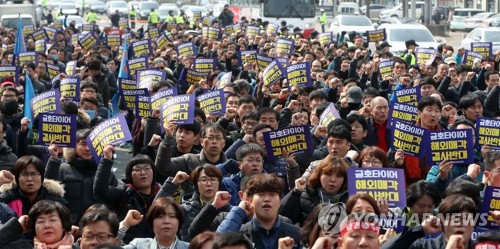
<point x="322" y="19"/>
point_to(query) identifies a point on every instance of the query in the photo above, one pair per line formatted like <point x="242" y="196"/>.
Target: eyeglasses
<point x="253" y="160"/>
<point x="88" y="91"/>
<point x="250" y="123"/>
<point x="33" y="175"/>
<point x="372" y="162"/>
<point x="205" y="180"/>
<point x="139" y="169"/>
<point x="100" y="237"/>
<point x="215" y="138"/>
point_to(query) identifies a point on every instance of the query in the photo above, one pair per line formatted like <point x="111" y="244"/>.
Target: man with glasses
<point x="10" y="93"/>
<point x="89" y="90"/>
<point x="98" y="227"/>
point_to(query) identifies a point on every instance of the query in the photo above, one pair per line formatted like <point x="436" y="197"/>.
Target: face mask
<point x="53" y="56"/>
<point x="91" y="113"/>
<point x="105" y="57"/>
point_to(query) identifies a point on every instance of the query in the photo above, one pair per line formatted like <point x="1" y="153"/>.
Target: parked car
<point x="394" y="20"/>
<point x="189" y="11"/>
<point x="491" y="34"/>
<point x="348" y="8"/>
<point x="493" y="21"/>
<point x="97" y="7"/>
<point x="459" y="16"/>
<point x="358" y="23"/>
<point x="164" y="9"/>
<point x="121" y="6"/>
<point x="145" y="8"/>
<point x="476" y="20"/>
<point x="375" y="10"/>
<point x="398" y="34"/>
<point x="67" y="8"/>
<point x="397" y="11"/>
<point x="10" y="21"/>
<point x="134" y="4"/>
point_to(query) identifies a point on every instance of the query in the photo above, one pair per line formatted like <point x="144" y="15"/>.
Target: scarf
<point x="65" y="243"/>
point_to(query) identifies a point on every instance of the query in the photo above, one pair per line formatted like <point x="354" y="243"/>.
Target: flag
<point x="19" y="46"/>
<point x="122" y="74"/>
<point x="29" y="93"/>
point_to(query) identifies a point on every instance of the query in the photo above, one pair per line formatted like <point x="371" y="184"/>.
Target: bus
<point x="296" y="13"/>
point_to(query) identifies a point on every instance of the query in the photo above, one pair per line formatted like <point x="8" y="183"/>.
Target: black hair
<point x="488" y="73"/>
<point x="247" y="99"/>
<point x="462" y="121"/>
<point x="338" y="122"/>
<point x="419" y="189"/>
<point x="429" y="101"/>
<point x="88" y="85"/>
<point x="231" y="239"/>
<point x="97" y="215"/>
<point x="69" y="107"/>
<point x="465" y="188"/>
<point x="268" y="110"/>
<point x="340" y="132"/>
<point x="357" y="118"/>
<point x="321" y="108"/>
<point x="469" y="100"/>
<point x="215" y="127"/>
<point x="370" y="92"/>
<point x="318" y="93"/>
<point x="47" y="207"/>
<point x="139" y="159"/>
<point x="398" y="59"/>
<point x="260" y="127"/>
<point x="195" y="127"/>
<point x="427" y="81"/>
<point x="247" y="149"/>
<point x="199" y="112"/>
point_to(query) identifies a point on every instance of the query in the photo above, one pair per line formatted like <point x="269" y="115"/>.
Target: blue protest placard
<point x="87" y="41"/>
<point x="224" y="80"/>
<point x="155" y="75"/>
<point x="23" y="58"/>
<point x="9" y="73"/>
<point x="203" y="65"/>
<point x="273" y="73"/>
<point x="211" y="33"/>
<point x="71" y="68"/>
<point x="127" y="84"/>
<point x="161" y="41"/>
<point x="192" y="76"/>
<point x="142" y="48"/>
<point x="284" y="46"/>
<point x="329" y="115"/>
<point x="272" y="28"/>
<point x="377" y="35"/>
<point x="178" y="108"/>
<point x="488" y="132"/>
<point x="425" y="56"/>
<point x="70" y="88"/>
<point x="299" y="74"/>
<point x="401" y="112"/>
<point x="113" y="40"/>
<point x="213" y="101"/>
<point x="186" y="49"/>
<point x="252" y="31"/>
<point x="88" y="27"/>
<point x="162" y="96"/>
<point x="385" y="68"/>
<point x="60" y="128"/>
<point x="51" y="33"/>
<point x="137" y="64"/>
<point x="263" y="61"/>
<point x="483" y="48"/>
<point x="28" y="30"/>
<point x="470" y="56"/>
<point x="206" y="21"/>
<point x="130" y="96"/>
<point x="295" y="139"/>
<point x="410" y="96"/>
<point x="379" y="183"/>
<point x="326" y="38"/>
<point x="58" y="24"/>
<point x="40" y="35"/>
<point x="142" y="104"/>
<point x="454" y="145"/>
<point x="52" y="70"/>
<point x="408" y="138"/>
<point x="153" y="33"/>
<point x="111" y="131"/>
<point x="46" y="102"/>
<point x="41" y="46"/>
<point x="491" y="203"/>
<point x="247" y="56"/>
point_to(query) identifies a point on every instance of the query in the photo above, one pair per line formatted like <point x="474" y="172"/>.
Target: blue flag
<point x="122" y="74"/>
<point x="20" y="46"/>
<point x="29" y="94"/>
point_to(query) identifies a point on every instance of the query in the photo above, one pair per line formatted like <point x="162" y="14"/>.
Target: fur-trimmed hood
<point x="53" y="187"/>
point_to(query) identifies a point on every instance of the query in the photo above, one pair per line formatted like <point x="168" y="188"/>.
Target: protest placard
<point x="329" y="115"/>
<point x="491" y="203"/>
<point x="206" y="21"/>
<point x="179" y="109"/>
<point x="130" y="96"/>
<point x="60" y="128"/>
<point x="299" y="74"/>
<point x="272" y="28"/>
<point x="155" y="75"/>
<point x="142" y="105"/>
<point x="263" y="61"/>
<point x="87" y="41"/>
<point x="252" y="31"/>
<point x="379" y="183"/>
<point x="46" y="102"/>
<point x="28" y="29"/>
<point x="88" y="27"/>
<point x="326" y="38"/>
<point x="142" y="48"/>
<point x="58" y="24"/>
<point x="40" y="46"/>
<point x="24" y="57"/>
<point x="171" y="26"/>
<point x="153" y="33"/>
<point x="70" y="88"/>
<point x="211" y="33"/>
<point x="74" y="39"/>
<point x="203" y="65"/>
<point x="248" y="56"/>
<point x="273" y="73"/>
<point x="52" y="70"/>
<point x="213" y="101"/>
<point x="113" y="40"/>
<point x="284" y="46"/>
<point x="186" y="49"/>
<point x="456" y="146"/>
<point x="192" y="76"/>
<point x="162" y="41"/>
<point x="410" y="96"/>
<point x="123" y="24"/>
<point x="51" y="33"/>
<point x="401" y="112"/>
<point x="162" y="96"/>
<point x="224" y="80"/>
<point x="385" y="68"/>
<point x="229" y="29"/>
<point x="408" y="138"/>
<point x="136" y="64"/>
<point x="111" y="131"/>
<point x="71" y="68"/>
<point x="127" y="84"/>
<point x="425" y="56"/>
<point x="197" y="15"/>
<point x="237" y="28"/>
<point x="9" y="72"/>
<point x="294" y="139"/>
<point x="377" y="35"/>
<point x="488" y="132"/>
<point x="470" y="56"/>
<point x="40" y="35"/>
<point x="483" y="48"/>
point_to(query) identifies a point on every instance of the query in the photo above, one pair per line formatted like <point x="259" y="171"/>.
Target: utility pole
<point x="427" y="12"/>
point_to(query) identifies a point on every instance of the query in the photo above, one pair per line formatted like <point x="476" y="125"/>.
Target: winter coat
<point x="7" y="158"/>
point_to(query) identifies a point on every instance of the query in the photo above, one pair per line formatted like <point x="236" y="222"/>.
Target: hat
<point x="7" y="83"/>
<point x="450" y="60"/>
<point x="226" y="5"/>
<point x="385" y="44"/>
<point x="297" y="29"/>
<point x="411" y="42"/>
<point x="283" y="29"/>
<point x="354" y="95"/>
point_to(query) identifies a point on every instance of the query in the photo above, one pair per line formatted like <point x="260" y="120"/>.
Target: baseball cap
<point x="354" y="95"/>
<point x="450" y="60"/>
<point x="411" y="42"/>
<point x="385" y="44"/>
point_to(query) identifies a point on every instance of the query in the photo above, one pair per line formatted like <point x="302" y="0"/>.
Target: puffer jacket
<point x="7" y="158"/>
<point x="12" y="195"/>
<point x="78" y="179"/>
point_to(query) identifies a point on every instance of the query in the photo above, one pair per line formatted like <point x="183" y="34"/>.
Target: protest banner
<point x="379" y="183"/>
<point x="454" y="145"/>
<point x="299" y="74"/>
<point x="247" y="56"/>
<point x="385" y="68"/>
<point x="409" y="96"/>
<point x="192" y="76"/>
<point x="263" y="61"/>
<point x="87" y="41"/>
<point x="213" y="102"/>
<point x="488" y="132"/>
<point x="51" y="33"/>
<point x="46" y="102"/>
<point x="58" y="24"/>
<point x="40" y="46"/>
<point x="162" y="41"/>
<point x="203" y="65"/>
<point x="408" y="138"/>
<point x="142" y="48"/>
<point x="401" y="112"/>
<point x="282" y="61"/>
<point x="156" y="76"/>
<point x="329" y="115"/>
<point x="376" y="35"/>
<point x="113" y="40"/>
<point x="142" y="105"/>
<point x="483" y="48"/>
<point x="293" y="139"/>
<point x="272" y="28"/>
<point x="284" y="46"/>
<point x="40" y="35"/>
<point x="252" y="31"/>
<point x="111" y="131"/>
<point x="60" y="128"/>
<point x="179" y="109"/>
<point x="273" y="73"/>
<point x="162" y="96"/>
<point x="470" y="56"/>
<point x="28" y="29"/>
<point x="153" y="33"/>
<point x="136" y="64"/>
<point x="88" y="27"/>
<point x="70" y="88"/>
<point x="71" y="68"/>
<point x="425" y="56"/>
<point x="325" y="39"/>
<point x="186" y="49"/>
<point x="52" y="70"/>
<point x="9" y="72"/>
<point x="224" y="80"/>
<point x="491" y="203"/>
<point x="23" y="58"/>
<point x="127" y="84"/>
<point x="123" y="24"/>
